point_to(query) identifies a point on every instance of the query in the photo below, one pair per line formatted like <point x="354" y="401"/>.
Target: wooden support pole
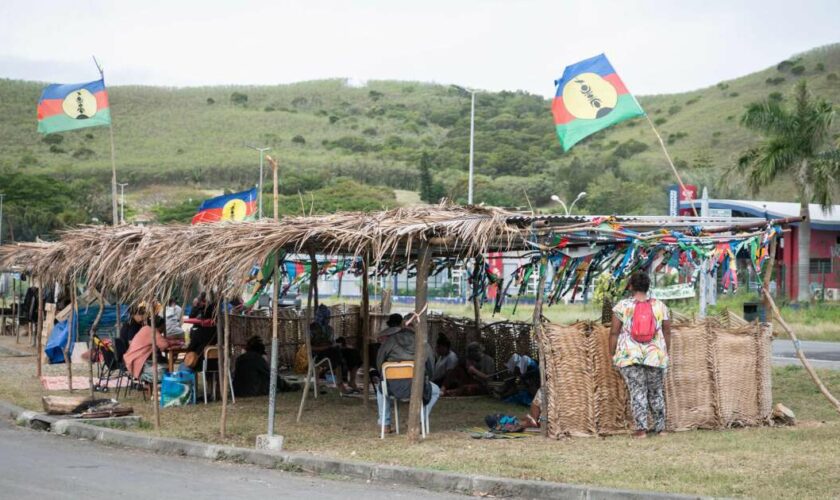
<point x="365" y="330"/>
<point x="74" y="318"/>
<point x="38" y="351"/>
<point x="310" y="370"/>
<point x="538" y="333"/>
<point x="155" y="397"/>
<point x="224" y="368"/>
<point x="475" y="299"/>
<point x="16" y="320"/>
<point x="420" y="335"/>
<point x="93" y="328"/>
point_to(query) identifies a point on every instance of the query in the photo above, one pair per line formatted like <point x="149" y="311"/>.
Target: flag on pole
<point x="229" y="207"/>
<point x="590" y="97"/>
<point x="71" y="106"/>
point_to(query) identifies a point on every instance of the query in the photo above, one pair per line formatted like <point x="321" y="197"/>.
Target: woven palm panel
<point x="742" y="377"/>
<point x="569" y="384"/>
<point x="503" y="339"/>
<point x="691" y="395"/>
<point x="611" y="407"/>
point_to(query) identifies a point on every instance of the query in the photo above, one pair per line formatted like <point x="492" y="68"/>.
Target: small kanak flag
<point x="590" y="97"/>
<point x="229" y="207"/>
<point x="70" y="106"/>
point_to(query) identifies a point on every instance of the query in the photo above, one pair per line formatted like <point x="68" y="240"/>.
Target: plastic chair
<point x="212" y="352"/>
<point x="398" y="370"/>
<point x="315" y="373"/>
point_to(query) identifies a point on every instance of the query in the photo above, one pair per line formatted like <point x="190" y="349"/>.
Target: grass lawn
<point x="799" y="461"/>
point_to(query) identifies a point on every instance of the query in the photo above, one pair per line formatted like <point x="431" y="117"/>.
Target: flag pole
<point x="113" y="155"/>
<point x="668" y="157"/>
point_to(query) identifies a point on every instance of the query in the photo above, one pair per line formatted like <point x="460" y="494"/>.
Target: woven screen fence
<point x="719" y="377"/>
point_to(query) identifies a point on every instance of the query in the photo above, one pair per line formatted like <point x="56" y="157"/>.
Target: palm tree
<point x="796" y="145"/>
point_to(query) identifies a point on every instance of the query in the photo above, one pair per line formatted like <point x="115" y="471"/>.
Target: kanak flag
<point x="71" y="106"/>
<point x="590" y="97"/>
<point x="229" y="207"/>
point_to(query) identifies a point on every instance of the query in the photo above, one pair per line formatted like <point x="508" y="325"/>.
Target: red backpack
<point x="643" y="327"/>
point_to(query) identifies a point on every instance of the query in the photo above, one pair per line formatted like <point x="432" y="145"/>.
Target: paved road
<point x="820" y="354"/>
<point x="41" y="465"/>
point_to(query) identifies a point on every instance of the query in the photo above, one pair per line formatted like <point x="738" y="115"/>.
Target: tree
<point x="430" y="191"/>
<point x="797" y="145"/>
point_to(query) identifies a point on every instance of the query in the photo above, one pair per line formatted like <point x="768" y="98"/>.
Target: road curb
<point x="389" y="474"/>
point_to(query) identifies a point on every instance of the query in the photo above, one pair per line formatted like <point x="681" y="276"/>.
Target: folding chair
<point x="398" y="370"/>
<point x="212" y="352"/>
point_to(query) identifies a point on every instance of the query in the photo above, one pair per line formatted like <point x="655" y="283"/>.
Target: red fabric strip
<point x="617" y="83"/>
<point x="561" y="114"/>
<point x="51" y="107"/>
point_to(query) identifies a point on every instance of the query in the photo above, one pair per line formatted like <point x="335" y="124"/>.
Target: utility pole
<point x="1" y="217"/>
<point x="122" y="186"/>
<point x="260" y="193"/>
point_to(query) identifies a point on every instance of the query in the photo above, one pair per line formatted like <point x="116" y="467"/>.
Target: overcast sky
<point x="656" y="46"/>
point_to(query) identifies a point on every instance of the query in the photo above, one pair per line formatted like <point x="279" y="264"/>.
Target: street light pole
<point x="472" y="148"/>
<point x="122" y="186"/>
<point x="260" y="193"/>
<point x="1" y="217"/>
<point x="568" y="209"/>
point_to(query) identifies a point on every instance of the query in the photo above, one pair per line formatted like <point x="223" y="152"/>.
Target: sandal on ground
<point x="639" y="434"/>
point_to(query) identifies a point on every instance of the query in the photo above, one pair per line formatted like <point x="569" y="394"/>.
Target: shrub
<point x="819" y="67"/>
<point x="374" y="95"/>
<point x="89" y="137"/>
<point x="299" y="102"/>
<point x="83" y="153"/>
<point x="774" y="81"/>
<point x="52" y="139"/>
<point x="298" y="139"/>
<point x="630" y="148"/>
<point x="692" y="101"/>
<point x="797" y="70"/>
<point x="784" y="65"/>
<point x="660" y="121"/>
<point x="674" y="109"/>
<point x="672" y="138"/>
<point x="333" y="119"/>
<point x="370" y="131"/>
<point x="57" y="150"/>
<point x="734" y="94"/>
<point x="831" y="77"/>
<point x="269" y="109"/>
<point x="239" y="98"/>
<point x="775" y="96"/>
<point x="210" y="100"/>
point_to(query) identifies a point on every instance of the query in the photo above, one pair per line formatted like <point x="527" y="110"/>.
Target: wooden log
<point x="475" y="299"/>
<point x="155" y="398"/>
<point x="38" y="351"/>
<point x="538" y="333"/>
<point x="74" y="315"/>
<point x="63" y="405"/>
<point x="420" y="335"/>
<point x="783" y="415"/>
<point x="365" y="330"/>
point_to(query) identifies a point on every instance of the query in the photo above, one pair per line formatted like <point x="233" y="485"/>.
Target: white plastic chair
<point x="212" y="352"/>
<point x="314" y="373"/>
<point x="398" y="370"/>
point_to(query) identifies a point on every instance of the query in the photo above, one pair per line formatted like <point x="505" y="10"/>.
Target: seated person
<point x="532" y="419"/>
<point x="252" y="376"/>
<point x="445" y="359"/>
<point x="398" y="345"/>
<point x="202" y="334"/>
<point x="392" y="325"/>
<point x="321" y="342"/>
<point x="471" y="376"/>
<point x="523" y="381"/>
<point x="138" y="357"/>
<point x="133" y="325"/>
<point x="351" y="360"/>
<point x="174" y="318"/>
<point x="199" y="304"/>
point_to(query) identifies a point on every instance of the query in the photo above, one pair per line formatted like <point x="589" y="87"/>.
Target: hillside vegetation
<point x="331" y="137"/>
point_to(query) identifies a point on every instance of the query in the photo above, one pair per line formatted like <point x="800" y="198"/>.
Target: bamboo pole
<point x="420" y="335"/>
<point x="74" y="317"/>
<point x="310" y="370"/>
<point x="155" y="398"/>
<point x="365" y="329"/>
<point x="93" y="328"/>
<point x="475" y="299"/>
<point x="224" y="369"/>
<point x="670" y="162"/>
<point x="538" y="333"/>
<point x="16" y="320"/>
<point x="38" y="352"/>
<point x="799" y="354"/>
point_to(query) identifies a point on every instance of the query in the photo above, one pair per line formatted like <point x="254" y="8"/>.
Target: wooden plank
<point x="365" y="330"/>
<point x="420" y="336"/>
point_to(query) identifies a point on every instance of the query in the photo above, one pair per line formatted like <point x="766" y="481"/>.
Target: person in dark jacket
<point x="133" y="325"/>
<point x="398" y="345"/>
<point x="252" y="375"/>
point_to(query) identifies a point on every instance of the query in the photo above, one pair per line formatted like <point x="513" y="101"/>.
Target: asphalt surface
<point x="41" y="465"/>
<point x="820" y="354"/>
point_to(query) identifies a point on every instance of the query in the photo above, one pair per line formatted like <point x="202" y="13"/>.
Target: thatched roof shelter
<point x="139" y="262"/>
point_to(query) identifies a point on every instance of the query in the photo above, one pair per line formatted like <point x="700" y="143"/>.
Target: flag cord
<point x="670" y="162"/>
<point x="114" y="211"/>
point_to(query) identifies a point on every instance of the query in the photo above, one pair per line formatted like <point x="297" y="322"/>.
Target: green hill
<point x="175" y="144"/>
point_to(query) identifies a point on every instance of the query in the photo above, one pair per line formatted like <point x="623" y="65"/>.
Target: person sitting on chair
<point x="398" y="345"/>
<point x="138" y="359"/>
<point x="351" y="362"/>
<point x="252" y="376"/>
<point x="323" y="347"/>
<point x="130" y="328"/>
<point x="174" y="316"/>
<point x="445" y="359"/>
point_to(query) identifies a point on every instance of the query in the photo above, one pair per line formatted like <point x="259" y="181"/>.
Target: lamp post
<point x="568" y="209"/>
<point x="122" y="186"/>
<point x="260" y="194"/>
<point x="1" y="217"/>
<point x="472" y="93"/>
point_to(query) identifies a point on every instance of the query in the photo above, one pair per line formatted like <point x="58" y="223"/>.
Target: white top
<point x="443" y="364"/>
<point x="174" y="315"/>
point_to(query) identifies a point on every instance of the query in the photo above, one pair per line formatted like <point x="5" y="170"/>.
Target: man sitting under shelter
<point x="398" y="345"/>
<point x="445" y="359"/>
<point x="252" y="376"/>
<point x="472" y="375"/>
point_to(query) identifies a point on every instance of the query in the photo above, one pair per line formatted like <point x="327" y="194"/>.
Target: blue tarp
<point x="58" y="341"/>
